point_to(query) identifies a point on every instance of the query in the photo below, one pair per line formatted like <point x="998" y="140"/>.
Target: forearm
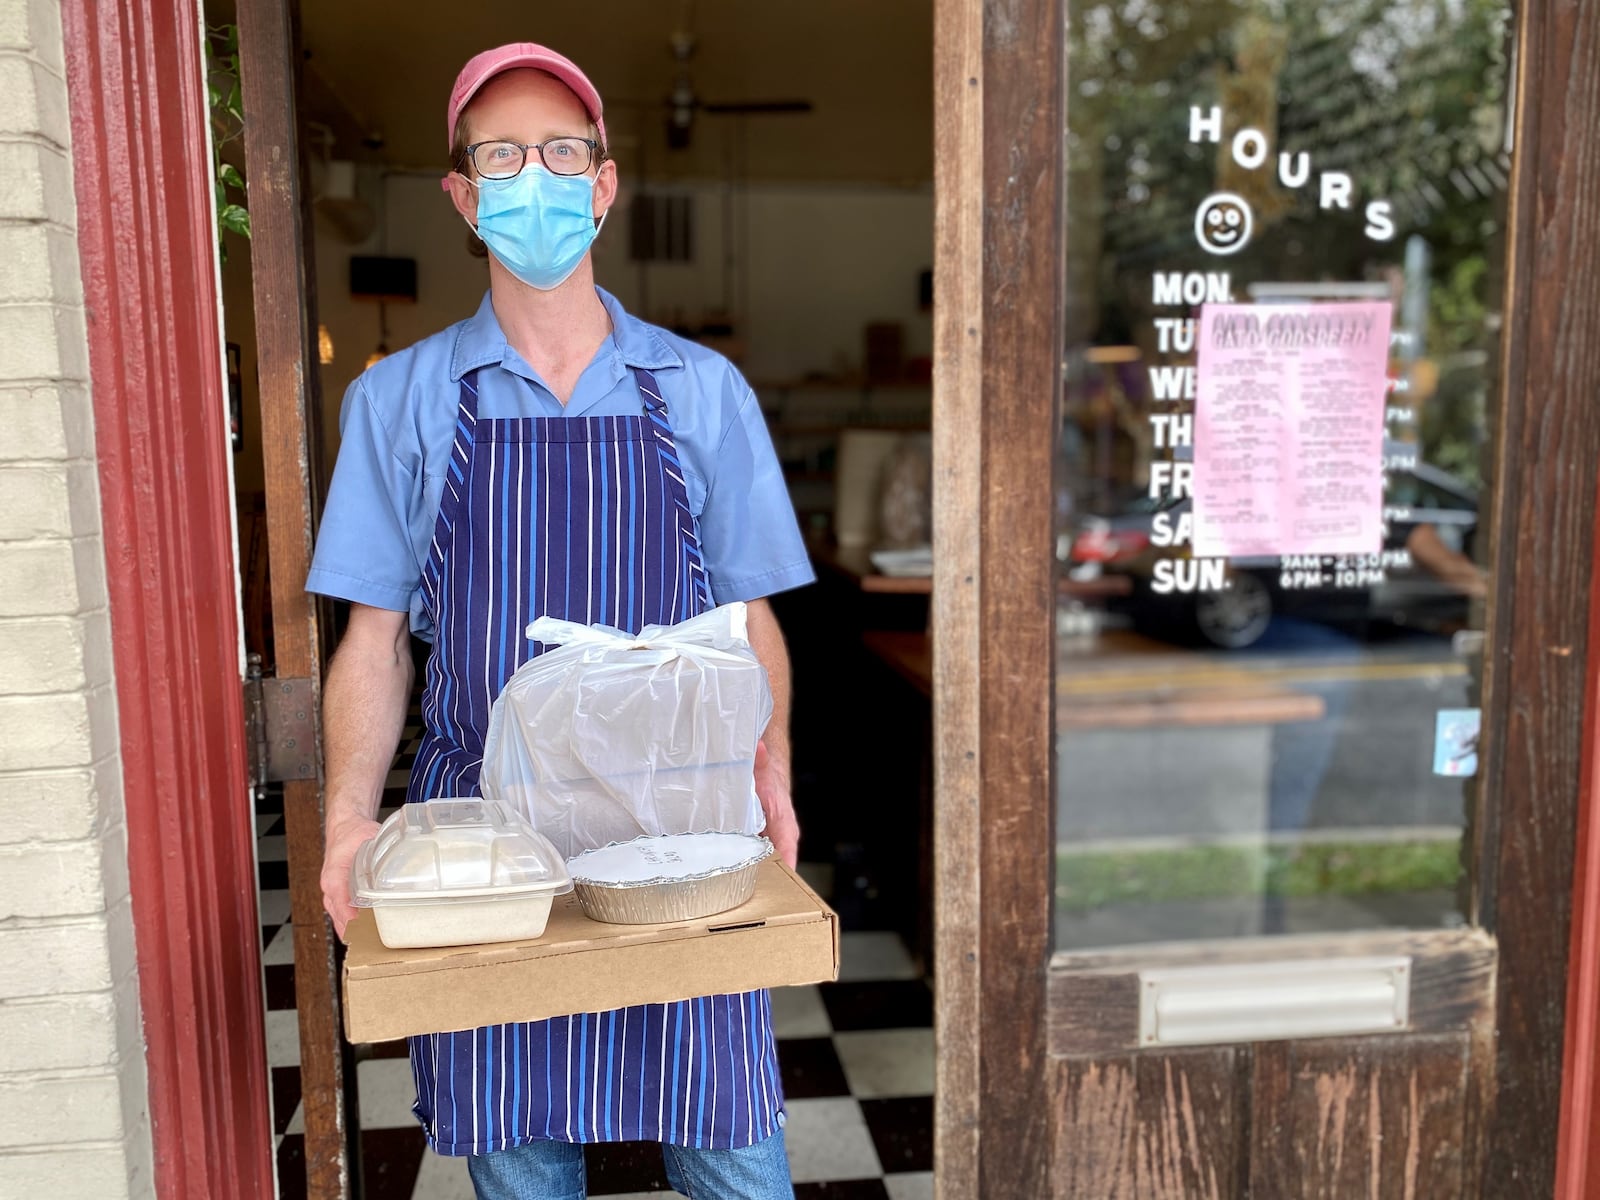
<point x="364" y="706"/>
<point x="1428" y="549"/>
<point x="766" y="640"/>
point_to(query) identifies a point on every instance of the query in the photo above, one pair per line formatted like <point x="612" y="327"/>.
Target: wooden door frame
<point x="1578" y="1140"/>
<point x="283" y="282"/>
<point x="1535" y="729"/>
<point x="999" y="136"/>
<point x="999" y="246"/>
<point x="147" y="245"/>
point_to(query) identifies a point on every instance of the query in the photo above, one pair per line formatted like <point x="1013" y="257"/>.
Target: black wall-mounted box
<point x="376" y="278"/>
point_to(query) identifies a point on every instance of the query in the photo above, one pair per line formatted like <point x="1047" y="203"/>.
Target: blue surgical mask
<point x="537" y="223"/>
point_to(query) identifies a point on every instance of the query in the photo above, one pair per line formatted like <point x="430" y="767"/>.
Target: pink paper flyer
<point x="1288" y="429"/>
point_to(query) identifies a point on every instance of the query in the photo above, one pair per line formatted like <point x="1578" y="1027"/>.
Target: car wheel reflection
<point x="1236" y="616"/>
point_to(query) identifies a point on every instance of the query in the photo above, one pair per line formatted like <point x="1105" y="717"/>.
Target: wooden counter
<point x="910" y="655"/>
<point x="854" y="565"/>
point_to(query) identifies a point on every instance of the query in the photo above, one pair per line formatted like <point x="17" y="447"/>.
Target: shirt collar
<point x="480" y="342"/>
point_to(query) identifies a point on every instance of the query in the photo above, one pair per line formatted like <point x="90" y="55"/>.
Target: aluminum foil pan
<point x="670" y="896"/>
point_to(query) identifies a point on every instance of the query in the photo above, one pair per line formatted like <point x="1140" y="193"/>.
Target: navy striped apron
<point x="586" y="519"/>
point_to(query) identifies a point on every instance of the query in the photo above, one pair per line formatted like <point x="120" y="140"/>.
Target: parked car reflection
<point x="1423" y="578"/>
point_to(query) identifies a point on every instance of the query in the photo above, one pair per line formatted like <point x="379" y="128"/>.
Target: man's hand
<point x="363" y="710"/>
<point x="772" y="788"/>
<point x="772" y="751"/>
<point x="343" y="842"/>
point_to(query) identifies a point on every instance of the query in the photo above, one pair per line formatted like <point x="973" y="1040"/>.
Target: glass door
<point x="1274" y="570"/>
<point x="1286" y="267"/>
<point x="1255" y="882"/>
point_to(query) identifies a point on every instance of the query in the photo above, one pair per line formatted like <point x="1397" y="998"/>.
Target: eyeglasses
<point x="505" y="160"/>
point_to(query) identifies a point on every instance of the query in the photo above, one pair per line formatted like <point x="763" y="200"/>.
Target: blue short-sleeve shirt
<point x="399" y="418"/>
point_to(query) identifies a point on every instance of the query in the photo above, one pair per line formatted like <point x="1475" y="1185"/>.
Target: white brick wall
<point x="74" y="1119"/>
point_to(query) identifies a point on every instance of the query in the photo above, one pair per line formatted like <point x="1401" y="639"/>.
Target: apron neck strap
<point x="469" y="397"/>
<point x="649" y="392"/>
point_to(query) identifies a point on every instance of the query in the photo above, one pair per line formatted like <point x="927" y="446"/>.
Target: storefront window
<point x="1284" y="263"/>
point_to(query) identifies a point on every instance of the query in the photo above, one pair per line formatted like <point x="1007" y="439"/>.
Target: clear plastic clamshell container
<point x="457" y="873"/>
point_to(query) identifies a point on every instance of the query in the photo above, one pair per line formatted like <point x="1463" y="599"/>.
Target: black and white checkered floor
<point x="857" y="1061"/>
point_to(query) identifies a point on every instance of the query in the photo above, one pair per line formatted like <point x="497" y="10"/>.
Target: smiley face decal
<point x="1223" y="223"/>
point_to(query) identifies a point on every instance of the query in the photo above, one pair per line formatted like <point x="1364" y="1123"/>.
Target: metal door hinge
<point x="280" y="727"/>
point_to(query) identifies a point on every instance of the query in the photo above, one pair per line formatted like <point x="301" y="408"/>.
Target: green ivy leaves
<point x="227" y="124"/>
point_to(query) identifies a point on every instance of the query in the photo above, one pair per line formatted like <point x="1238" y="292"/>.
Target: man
<point x="552" y="455"/>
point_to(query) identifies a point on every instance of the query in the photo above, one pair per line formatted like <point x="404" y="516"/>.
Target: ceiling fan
<point x="684" y="102"/>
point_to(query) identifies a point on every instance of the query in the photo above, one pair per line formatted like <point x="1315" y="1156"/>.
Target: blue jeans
<point x="555" y="1171"/>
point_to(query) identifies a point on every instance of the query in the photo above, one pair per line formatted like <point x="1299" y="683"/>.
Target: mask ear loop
<point x="468" y="220"/>
<point x="476" y="247"/>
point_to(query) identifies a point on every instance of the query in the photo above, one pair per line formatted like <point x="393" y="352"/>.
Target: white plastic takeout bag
<point x="610" y="736"/>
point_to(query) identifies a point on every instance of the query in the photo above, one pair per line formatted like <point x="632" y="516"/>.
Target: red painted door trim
<point x="1578" y="1140"/>
<point x="146" y="238"/>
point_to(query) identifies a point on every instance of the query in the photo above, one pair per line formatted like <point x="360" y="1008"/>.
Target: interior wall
<point x="813" y="264"/>
<point x="864" y="69"/>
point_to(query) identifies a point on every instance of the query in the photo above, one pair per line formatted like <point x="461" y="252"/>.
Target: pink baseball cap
<point x="484" y="67"/>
